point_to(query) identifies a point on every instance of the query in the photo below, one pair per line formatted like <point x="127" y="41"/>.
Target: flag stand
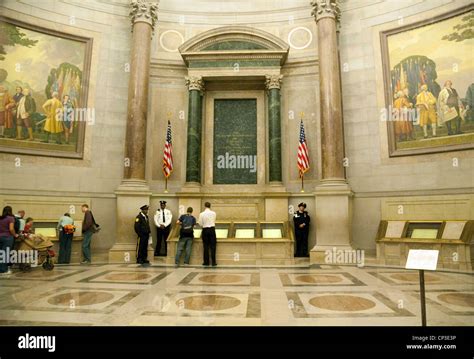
<point x="302" y="183"/>
<point x="166" y="184"/>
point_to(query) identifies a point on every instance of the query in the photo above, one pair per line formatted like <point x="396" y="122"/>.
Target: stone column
<point x="134" y="191"/>
<point x="193" y="150"/>
<point x="143" y="15"/>
<point x="333" y="196"/>
<point x="273" y="84"/>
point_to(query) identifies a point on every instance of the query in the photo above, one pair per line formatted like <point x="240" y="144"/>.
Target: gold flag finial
<point x="302" y="114"/>
<point x="168" y="114"/>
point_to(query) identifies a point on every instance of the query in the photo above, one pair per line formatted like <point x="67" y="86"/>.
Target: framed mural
<point x="44" y="76"/>
<point x="428" y="78"/>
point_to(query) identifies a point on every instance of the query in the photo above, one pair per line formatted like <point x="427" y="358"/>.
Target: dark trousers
<point x="209" y="242"/>
<point x="457" y="123"/>
<point x="5" y="243"/>
<point x="65" y="244"/>
<point x="301" y="243"/>
<point x="142" y="248"/>
<point x="161" y="237"/>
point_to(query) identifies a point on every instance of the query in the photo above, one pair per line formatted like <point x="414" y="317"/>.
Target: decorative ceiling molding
<point x="238" y="41"/>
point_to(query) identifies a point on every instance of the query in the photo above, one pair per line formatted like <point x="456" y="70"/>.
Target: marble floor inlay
<point x="298" y="295"/>
<point x="80" y="298"/>
<point x="208" y="302"/>
<point x="341" y="303"/>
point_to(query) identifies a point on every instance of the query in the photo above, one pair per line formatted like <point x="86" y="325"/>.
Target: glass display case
<point x="272" y="230"/>
<point x="244" y="230"/>
<point x="247" y="230"/>
<point x="428" y="230"/>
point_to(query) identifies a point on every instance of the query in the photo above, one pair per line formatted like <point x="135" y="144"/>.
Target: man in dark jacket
<point x="301" y="220"/>
<point x="87" y="231"/>
<point x="142" y="229"/>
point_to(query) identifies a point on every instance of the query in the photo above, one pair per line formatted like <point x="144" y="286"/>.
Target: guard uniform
<point x="142" y="229"/>
<point x="301" y="234"/>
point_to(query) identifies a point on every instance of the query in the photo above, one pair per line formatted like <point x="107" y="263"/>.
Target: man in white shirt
<point x="207" y="220"/>
<point x="163" y="217"/>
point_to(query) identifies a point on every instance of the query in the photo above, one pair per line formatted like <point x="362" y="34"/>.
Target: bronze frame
<point x="79" y="153"/>
<point x="392" y="145"/>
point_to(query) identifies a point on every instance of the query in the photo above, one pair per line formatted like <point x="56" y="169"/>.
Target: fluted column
<point x="193" y="150"/>
<point x="143" y="15"/>
<point x="327" y="15"/>
<point x="273" y="85"/>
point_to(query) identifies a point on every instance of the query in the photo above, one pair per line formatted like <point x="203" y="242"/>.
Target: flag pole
<point x="169" y="114"/>
<point x="302" y="173"/>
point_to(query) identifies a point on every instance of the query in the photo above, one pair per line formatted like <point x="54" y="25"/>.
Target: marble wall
<point x="96" y="176"/>
<point x="372" y="175"/>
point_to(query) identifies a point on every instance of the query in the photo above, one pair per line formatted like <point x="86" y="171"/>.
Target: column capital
<point x="326" y="8"/>
<point x="194" y="83"/>
<point x="273" y="81"/>
<point x="144" y="11"/>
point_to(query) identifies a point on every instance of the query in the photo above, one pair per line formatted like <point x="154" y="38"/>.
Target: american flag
<point x="303" y="156"/>
<point x="168" y="153"/>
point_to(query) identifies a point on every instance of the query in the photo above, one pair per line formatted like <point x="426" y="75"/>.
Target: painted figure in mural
<point x="404" y="123"/>
<point x="470" y="103"/>
<point x="68" y="117"/>
<point x="26" y="107"/>
<point x="53" y="124"/>
<point x="16" y="97"/>
<point x="6" y="106"/>
<point x="426" y="103"/>
<point x="450" y="108"/>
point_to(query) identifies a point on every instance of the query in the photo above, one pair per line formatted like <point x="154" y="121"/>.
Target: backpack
<point x="187" y="224"/>
<point x="69" y="228"/>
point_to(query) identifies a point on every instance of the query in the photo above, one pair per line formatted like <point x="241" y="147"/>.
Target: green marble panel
<point x="235" y="141"/>
<point x="274" y="135"/>
<point x="193" y="158"/>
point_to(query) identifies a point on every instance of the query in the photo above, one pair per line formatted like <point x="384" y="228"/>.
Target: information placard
<point x="422" y="259"/>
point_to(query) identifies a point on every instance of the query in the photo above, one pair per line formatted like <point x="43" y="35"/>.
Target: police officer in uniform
<point x="142" y="229"/>
<point x="301" y="220"/>
<point x="163" y="217"/>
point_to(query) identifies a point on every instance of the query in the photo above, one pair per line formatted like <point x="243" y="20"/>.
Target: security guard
<point x="142" y="229"/>
<point x="301" y="221"/>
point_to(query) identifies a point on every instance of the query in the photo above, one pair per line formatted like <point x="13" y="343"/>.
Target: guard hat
<point x="302" y="204"/>
<point x="144" y="207"/>
<point x="162" y="202"/>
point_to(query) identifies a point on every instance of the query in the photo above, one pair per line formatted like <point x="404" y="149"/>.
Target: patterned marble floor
<point x="114" y="294"/>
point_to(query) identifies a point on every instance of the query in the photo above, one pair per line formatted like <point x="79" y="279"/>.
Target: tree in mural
<point x="413" y="72"/>
<point x="3" y="75"/>
<point x="65" y="80"/>
<point x="464" y="30"/>
<point x="10" y="35"/>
